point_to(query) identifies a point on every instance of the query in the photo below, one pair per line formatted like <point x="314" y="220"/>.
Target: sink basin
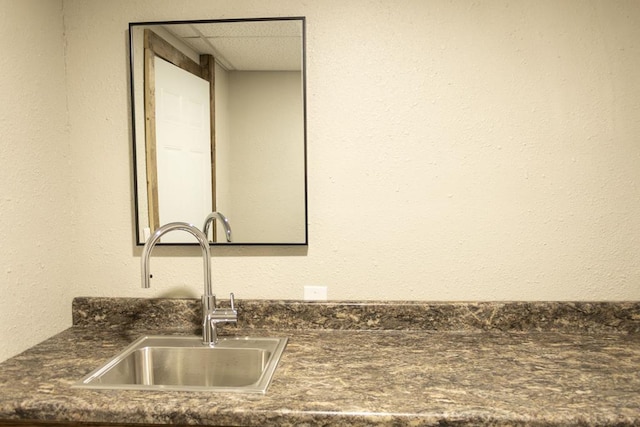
<point x="243" y="365"/>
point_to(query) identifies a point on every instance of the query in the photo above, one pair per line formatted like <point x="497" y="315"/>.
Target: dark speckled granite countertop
<point x="357" y="363"/>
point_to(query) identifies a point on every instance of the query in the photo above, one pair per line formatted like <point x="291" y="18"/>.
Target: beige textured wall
<point x="457" y="151"/>
<point x="35" y="203"/>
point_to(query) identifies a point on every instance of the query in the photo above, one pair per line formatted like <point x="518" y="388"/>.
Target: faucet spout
<point x="223" y="219"/>
<point x="210" y="315"/>
<point x="182" y="226"/>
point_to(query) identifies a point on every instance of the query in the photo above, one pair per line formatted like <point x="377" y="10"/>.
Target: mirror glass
<point x="219" y="125"/>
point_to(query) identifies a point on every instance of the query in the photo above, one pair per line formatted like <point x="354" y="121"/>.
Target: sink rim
<point x="274" y="345"/>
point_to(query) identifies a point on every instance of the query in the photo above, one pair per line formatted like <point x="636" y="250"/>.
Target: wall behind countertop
<point x="457" y="151"/>
<point x="35" y="202"/>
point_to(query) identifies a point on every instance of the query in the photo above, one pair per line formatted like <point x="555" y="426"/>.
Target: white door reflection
<point x="183" y="144"/>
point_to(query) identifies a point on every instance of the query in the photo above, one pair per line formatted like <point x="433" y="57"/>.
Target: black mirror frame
<point x="137" y="227"/>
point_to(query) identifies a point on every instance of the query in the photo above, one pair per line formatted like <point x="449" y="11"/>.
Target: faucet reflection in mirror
<point x="225" y="224"/>
<point x="211" y="315"/>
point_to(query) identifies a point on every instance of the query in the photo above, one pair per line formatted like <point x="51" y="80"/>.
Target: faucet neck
<point x="182" y="226"/>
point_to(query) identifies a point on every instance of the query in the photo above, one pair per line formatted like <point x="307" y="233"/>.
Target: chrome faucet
<point x="223" y="219"/>
<point x="211" y="315"/>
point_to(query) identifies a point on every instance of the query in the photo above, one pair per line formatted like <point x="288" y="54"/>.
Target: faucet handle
<point x="232" y="300"/>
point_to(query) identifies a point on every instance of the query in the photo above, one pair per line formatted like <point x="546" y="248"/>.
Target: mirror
<point x="219" y="124"/>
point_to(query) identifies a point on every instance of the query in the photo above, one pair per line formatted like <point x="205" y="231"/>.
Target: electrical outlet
<point x="315" y="293"/>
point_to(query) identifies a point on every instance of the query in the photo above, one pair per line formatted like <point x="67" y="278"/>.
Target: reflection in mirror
<point x="219" y="126"/>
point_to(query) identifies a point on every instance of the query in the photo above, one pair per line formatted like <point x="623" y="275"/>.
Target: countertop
<point x="357" y="364"/>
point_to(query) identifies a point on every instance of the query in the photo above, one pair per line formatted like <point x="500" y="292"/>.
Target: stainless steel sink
<point x="243" y="365"/>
